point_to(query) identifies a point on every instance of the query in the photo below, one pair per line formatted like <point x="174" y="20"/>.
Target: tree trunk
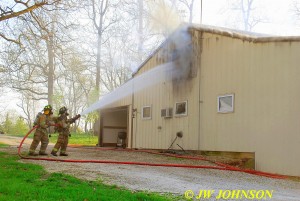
<point x="85" y="126"/>
<point x="98" y="62"/>
<point x="191" y="11"/>
<point x="50" y="69"/>
<point x="140" y="30"/>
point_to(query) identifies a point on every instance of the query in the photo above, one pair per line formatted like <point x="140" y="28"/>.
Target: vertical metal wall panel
<point x="164" y="95"/>
<point x="264" y="77"/>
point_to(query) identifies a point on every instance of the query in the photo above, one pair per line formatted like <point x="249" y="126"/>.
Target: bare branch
<point x="30" y="90"/>
<point x="10" y="40"/>
<point x="5" y="16"/>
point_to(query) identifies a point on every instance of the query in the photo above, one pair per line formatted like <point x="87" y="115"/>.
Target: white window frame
<point x="147" y="118"/>
<point x="232" y="103"/>
<point x="186" y="109"/>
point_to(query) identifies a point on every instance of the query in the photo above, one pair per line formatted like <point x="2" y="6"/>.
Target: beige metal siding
<point x="147" y="133"/>
<point x="264" y="77"/>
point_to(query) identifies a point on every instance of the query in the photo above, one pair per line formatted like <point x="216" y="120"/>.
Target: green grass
<point x="21" y="181"/>
<point x="78" y="138"/>
<point x="16" y="135"/>
<point x="3" y="145"/>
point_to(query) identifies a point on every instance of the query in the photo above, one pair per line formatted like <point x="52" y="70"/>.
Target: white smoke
<point x="178" y="66"/>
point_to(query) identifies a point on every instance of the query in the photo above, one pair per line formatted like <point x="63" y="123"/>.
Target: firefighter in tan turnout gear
<point x="64" y="132"/>
<point x="43" y="121"/>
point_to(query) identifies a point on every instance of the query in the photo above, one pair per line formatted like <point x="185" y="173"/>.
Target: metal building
<point x="225" y="90"/>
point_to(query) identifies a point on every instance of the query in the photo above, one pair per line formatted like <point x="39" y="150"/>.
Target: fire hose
<point x="220" y="166"/>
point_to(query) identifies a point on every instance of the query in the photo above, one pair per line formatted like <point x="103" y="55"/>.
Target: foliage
<point x="19" y="127"/>
<point x="49" y="65"/>
<point x="57" y="102"/>
<point x="92" y="117"/>
<point x="7" y="124"/>
<point x="21" y="181"/>
<point x="14" y="126"/>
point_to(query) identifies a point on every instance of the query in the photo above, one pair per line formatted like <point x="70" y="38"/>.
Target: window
<point x="181" y="108"/>
<point x="166" y="112"/>
<point x="146" y="112"/>
<point x="225" y="103"/>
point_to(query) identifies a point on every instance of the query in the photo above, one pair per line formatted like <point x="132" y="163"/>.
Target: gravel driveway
<point x="158" y="179"/>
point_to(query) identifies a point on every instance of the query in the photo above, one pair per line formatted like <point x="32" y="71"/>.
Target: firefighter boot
<point x="42" y="153"/>
<point x="53" y="153"/>
<point x="32" y="154"/>
<point x="63" y="154"/>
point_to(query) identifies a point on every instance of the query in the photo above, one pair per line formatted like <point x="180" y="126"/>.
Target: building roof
<point x="239" y="34"/>
<point x="244" y="35"/>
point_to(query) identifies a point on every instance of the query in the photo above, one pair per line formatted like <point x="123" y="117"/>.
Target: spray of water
<point x="177" y="68"/>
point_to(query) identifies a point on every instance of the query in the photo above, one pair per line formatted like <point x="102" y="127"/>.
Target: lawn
<point x="21" y="181"/>
<point x="3" y="145"/>
<point x="76" y="138"/>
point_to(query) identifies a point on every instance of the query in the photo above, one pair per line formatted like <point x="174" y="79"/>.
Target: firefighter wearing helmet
<point x="64" y="132"/>
<point x="43" y="121"/>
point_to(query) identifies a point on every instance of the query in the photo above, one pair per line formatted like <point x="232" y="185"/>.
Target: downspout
<point x="132" y="112"/>
<point x="199" y="79"/>
<point x="100" y="136"/>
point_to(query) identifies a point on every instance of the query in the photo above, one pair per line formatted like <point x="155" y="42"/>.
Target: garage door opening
<point x="114" y="127"/>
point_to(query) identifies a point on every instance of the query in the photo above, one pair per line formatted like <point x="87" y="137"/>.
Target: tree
<point x="138" y="30"/>
<point x="249" y="14"/>
<point x="19" y="127"/>
<point x="13" y="124"/>
<point x="49" y="66"/>
<point x="188" y="4"/>
<point x="3" y="72"/>
<point x="47" y="27"/>
<point x="29" y="108"/>
<point x="18" y="8"/>
<point x="295" y="6"/>
<point x="116" y="69"/>
<point x="141" y="38"/>
<point x="98" y="15"/>
<point x="74" y="85"/>
<point x="32" y="67"/>
<point x="7" y="124"/>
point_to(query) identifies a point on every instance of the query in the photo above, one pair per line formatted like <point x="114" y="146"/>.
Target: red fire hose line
<point x="227" y="167"/>
<point x="224" y="166"/>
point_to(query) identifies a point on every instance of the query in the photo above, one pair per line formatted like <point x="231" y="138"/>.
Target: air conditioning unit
<point x="167" y="112"/>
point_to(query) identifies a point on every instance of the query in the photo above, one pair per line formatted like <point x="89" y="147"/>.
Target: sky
<point x="279" y="17"/>
<point x="278" y="14"/>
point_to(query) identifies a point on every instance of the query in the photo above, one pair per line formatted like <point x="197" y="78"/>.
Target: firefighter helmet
<point x="62" y="110"/>
<point x="48" y="107"/>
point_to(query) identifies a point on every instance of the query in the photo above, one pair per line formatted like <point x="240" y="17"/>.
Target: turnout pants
<point x="39" y="136"/>
<point x="62" y="143"/>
